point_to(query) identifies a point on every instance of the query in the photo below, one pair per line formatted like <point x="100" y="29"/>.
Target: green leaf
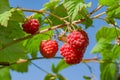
<point x="22" y="67"/>
<point x="4" y="18"/>
<point x="108" y="33"/>
<point x="101" y="45"/>
<point x="12" y="32"/>
<point x="12" y="54"/>
<point x="51" y="4"/>
<point x="75" y="8"/>
<point x="60" y="66"/>
<point x="87" y="77"/>
<point x="32" y="44"/>
<point x="115" y="52"/>
<point x="11" y="15"/>
<point x="50" y="77"/>
<point x="59" y="11"/>
<point x="108" y="71"/>
<point x="109" y="2"/>
<point x="54" y="70"/>
<point x="113" y="12"/>
<point x="5" y="74"/>
<point x="60" y="77"/>
<point x="4" y="6"/>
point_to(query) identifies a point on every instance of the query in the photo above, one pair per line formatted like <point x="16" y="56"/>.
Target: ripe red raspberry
<point x="31" y="26"/>
<point x="71" y="55"/>
<point x="48" y="48"/>
<point x="78" y="39"/>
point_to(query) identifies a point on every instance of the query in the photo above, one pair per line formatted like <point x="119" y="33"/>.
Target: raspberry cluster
<point x="31" y="26"/>
<point x="74" y="49"/>
<point x="48" y="48"/>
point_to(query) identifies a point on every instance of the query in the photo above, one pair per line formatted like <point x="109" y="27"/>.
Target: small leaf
<point x="50" y="77"/>
<point x="5" y="74"/>
<point x="53" y="68"/>
<point x="87" y="77"/>
<point x="61" y="65"/>
<point x="4" y="18"/>
<point x="60" y="77"/>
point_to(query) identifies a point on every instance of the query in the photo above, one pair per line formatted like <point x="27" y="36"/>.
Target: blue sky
<point x="72" y="73"/>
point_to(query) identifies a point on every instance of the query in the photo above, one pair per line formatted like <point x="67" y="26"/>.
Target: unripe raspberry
<point x="31" y="26"/>
<point x="48" y="48"/>
<point x="78" y="39"/>
<point x="70" y="54"/>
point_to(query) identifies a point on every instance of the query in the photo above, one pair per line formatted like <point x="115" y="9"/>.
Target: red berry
<point x="31" y="26"/>
<point x="78" y="39"/>
<point x="71" y="55"/>
<point x="48" y="48"/>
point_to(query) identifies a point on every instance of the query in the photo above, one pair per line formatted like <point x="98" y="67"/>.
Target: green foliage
<point x="4" y="6"/>
<point x="58" y="11"/>
<point x="76" y="9"/>
<point x="51" y="4"/>
<point x="108" y="71"/>
<point x="13" y="47"/>
<point x="11" y="15"/>
<point x="5" y="74"/>
<point x="109" y="33"/>
<point x="109" y="2"/>
<point x="60" y="66"/>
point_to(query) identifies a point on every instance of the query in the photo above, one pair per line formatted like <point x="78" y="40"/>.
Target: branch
<point x="95" y="10"/>
<point x="45" y="30"/>
<point x="40" y="32"/>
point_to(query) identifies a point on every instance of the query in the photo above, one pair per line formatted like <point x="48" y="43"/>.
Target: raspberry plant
<point x="61" y="30"/>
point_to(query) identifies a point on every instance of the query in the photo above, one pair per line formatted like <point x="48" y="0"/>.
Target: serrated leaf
<point x="11" y="15"/>
<point x="4" y="18"/>
<point x="75" y="8"/>
<point x="108" y="71"/>
<point x="101" y="45"/>
<point x="59" y="11"/>
<point x="4" y="6"/>
<point x="49" y="77"/>
<point x="51" y="4"/>
<point x="108" y="33"/>
<point x="109" y="2"/>
<point x="5" y="74"/>
<point x="32" y="44"/>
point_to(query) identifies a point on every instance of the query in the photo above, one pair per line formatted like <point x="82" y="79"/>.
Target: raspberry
<point x="31" y="26"/>
<point x="71" y="55"/>
<point x="48" y="48"/>
<point x="78" y="39"/>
